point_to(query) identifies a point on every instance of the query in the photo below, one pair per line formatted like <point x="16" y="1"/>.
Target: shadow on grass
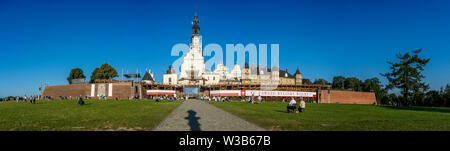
<point x="281" y="111"/>
<point x="85" y="104"/>
<point x="417" y="108"/>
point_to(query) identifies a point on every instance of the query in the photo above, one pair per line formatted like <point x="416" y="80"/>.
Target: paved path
<point x="196" y="115"/>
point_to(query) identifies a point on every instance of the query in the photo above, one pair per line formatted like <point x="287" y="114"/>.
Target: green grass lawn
<point x="273" y="116"/>
<point x="94" y="115"/>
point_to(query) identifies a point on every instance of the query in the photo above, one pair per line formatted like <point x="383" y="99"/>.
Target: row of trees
<point x="317" y="81"/>
<point x="105" y="71"/>
<point x="405" y="77"/>
<point x="351" y="83"/>
<point x="437" y="98"/>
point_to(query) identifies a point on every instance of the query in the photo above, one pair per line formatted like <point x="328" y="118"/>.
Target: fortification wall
<point x="126" y="90"/>
<point x="73" y="90"/>
<point x="347" y="97"/>
<point x="122" y="90"/>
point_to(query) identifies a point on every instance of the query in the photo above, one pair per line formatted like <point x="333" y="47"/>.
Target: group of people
<point x="31" y="99"/>
<point x="70" y="97"/>
<point x="293" y="105"/>
<point x="214" y="98"/>
<point x="171" y="98"/>
<point x="252" y="100"/>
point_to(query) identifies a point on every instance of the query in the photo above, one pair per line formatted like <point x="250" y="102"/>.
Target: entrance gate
<point x="191" y="91"/>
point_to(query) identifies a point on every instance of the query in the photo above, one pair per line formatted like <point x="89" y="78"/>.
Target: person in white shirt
<point x="292" y="102"/>
<point x="291" y="106"/>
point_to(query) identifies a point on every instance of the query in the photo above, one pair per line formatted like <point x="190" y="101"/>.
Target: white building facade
<point x="193" y="70"/>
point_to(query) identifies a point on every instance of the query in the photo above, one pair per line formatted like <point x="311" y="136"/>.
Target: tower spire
<point x="195" y="27"/>
<point x="298" y="71"/>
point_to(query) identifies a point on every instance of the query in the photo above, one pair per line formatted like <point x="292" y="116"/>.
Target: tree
<point x="353" y="84"/>
<point x="371" y="84"/>
<point x="374" y="85"/>
<point x="406" y="75"/>
<point x="76" y="73"/>
<point x="105" y="71"/>
<point x="338" y="82"/>
<point x="95" y="74"/>
<point x="446" y="96"/>
<point x="389" y="99"/>
<point x="321" y="81"/>
<point x="438" y="98"/>
<point x="434" y="98"/>
<point x="306" y="81"/>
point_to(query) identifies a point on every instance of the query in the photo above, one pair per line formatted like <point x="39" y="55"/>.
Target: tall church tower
<point x="298" y="77"/>
<point x="195" y="27"/>
<point x="193" y="65"/>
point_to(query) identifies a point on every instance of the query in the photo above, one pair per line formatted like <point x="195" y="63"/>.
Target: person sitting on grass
<point x="291" y="106"/>
<point x="80" y="101"/>
<point x="301" y="107"/>
<point x="259" y="100"/>
<point x="252" y="100"/>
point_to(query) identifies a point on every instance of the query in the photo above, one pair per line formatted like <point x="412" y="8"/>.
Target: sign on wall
<point x="262" y="93"/>
<point x="160" y="92"/>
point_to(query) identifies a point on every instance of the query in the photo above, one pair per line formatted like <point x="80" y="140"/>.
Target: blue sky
<point x="40" y="41"/>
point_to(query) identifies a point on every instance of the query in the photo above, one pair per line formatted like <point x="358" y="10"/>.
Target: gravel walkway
<point x="195" y="115"/>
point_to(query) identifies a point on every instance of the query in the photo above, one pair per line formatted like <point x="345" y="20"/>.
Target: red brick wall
<point x="122" y="90"/>
<point x="73" y="90"/>
<point x="348" y="97"/>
